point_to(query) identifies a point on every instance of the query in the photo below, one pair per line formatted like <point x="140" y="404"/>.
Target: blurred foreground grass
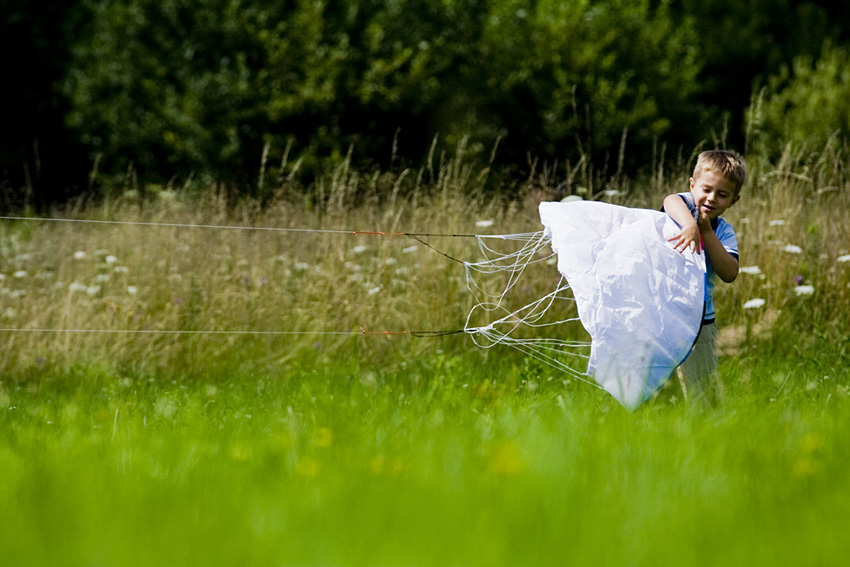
<point x="361" y="450"/>
<point x="336" y="467"/>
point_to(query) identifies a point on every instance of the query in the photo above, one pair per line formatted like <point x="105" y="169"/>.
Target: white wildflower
<point x="110" y="259"/>
<point x="79" y="255"/>
<point x="121" y="269"/>
<point x="165" y="407"/>
<point x="20" y="274"/>
<point x="301" y="266"/>
<point x="752" y="270"/>
<point x="16" y="293"/>
<point x="793" y="249"/>
<point x="844" y="258"/>
<point x="804" y="289"/>
<point x="390" y="261"/>
<point x="101" y="278"/>
<point x="93" y="290"/>
<point x="552" y="261"/>
<point x="754" y="303"/>
<point x="777" y="222"/>
<point x="374" y="290"/>
<point x="611" y="193"/>
<point x="745" y="220"/>
<point x="132" y="290"/>
<point x="484" y="223"/>
<point x="77" y="286"/>
<point x="3" y="276"/>
<point x="359" y="249"/>
<point x="410" y="249"/>
<point x="571" y="198"/>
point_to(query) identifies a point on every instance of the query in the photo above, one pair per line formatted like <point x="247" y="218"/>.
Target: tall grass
<point x="351" y="449"/>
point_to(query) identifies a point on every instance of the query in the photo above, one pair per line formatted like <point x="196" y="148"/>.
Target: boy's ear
<point x="691" y="182"/>
<point x="735" y="199"/>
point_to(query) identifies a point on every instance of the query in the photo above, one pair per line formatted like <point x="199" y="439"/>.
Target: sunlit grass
<point x="352" y="449"/>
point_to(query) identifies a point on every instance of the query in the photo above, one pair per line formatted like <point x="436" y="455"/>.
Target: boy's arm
<point x="725" y="264"/>
<point x="689" y="237"/>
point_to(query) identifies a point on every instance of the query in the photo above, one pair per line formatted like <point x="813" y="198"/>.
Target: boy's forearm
<point x="725" y="264"/>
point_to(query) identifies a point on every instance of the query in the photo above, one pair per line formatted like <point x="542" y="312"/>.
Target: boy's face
<point x="713" y="193"/>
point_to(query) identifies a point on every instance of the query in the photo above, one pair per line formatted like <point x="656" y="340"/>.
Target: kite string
<point x="550" y="351"/>
<point x="254" y="228"/>
<point x="360" y="331"/>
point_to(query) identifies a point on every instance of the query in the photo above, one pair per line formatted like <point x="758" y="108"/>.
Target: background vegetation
<point x="126" y="94"/>
<point x="351" y="449"/>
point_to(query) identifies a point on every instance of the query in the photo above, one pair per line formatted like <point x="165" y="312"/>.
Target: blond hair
<point x="723" y="162"/>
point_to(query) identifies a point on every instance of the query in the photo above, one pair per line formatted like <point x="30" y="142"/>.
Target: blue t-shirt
<point x="726" y="234"/>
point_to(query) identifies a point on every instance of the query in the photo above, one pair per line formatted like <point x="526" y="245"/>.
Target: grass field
<point x="350" y="449"/>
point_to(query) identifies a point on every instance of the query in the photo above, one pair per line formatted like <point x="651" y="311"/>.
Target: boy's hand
<point x="704" y="221"/>
<point x="688" y="239"/>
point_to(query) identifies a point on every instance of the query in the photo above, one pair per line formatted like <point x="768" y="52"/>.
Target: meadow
<point x="317" y="445"/>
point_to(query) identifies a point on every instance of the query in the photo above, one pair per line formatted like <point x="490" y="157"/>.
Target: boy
<point x="715" y="186"/>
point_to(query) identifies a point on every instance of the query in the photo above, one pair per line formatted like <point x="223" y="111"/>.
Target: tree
<point x="742" y="43"/>
<point x="563" y="74"/>
<point x="807" y="104"/>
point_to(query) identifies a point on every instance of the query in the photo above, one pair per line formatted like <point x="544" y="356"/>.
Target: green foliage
<point x="181" y="85"/>
<point x="806" y="105"/>
<point x="585" y="72"/>
<point x="225" y="90"/>
<point x="175" y="85"/>
<point x="740" y="43"/>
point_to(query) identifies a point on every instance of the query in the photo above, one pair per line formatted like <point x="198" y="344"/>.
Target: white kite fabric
<point x="640" y="300"/>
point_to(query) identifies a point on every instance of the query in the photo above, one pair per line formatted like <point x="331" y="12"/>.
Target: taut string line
<point x="360" y="331"/>
<point x="255" y="228"/>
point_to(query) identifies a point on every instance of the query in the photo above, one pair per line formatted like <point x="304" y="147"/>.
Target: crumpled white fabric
<point x="640" y="300"/>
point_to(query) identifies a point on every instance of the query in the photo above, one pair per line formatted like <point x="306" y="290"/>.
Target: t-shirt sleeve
<point x="689" y="201"/>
